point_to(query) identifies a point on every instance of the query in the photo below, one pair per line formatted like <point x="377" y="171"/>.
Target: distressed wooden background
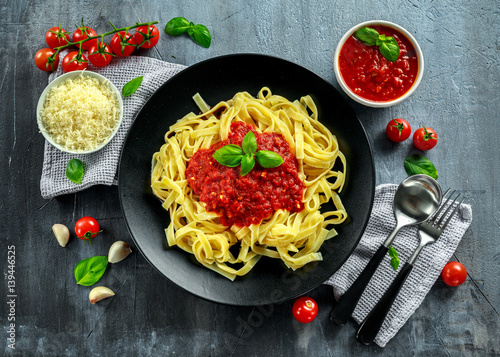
<point x="149" y="316"/>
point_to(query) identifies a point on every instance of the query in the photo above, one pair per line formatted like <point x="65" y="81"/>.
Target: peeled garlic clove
<point x="99" y="293"/>
<point x="62" y="233"/>
<point x="118" y="251"/>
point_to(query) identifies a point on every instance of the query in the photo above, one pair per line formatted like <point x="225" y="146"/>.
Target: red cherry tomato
<point x="425" y="138"/>
<point x="454" y="274"/>
<point x="86" y="228"/>
<point x="100" y="54"/>
<point x="398" y="130"/>
<point x="83" y="32"/>
<point x="305" y="309"/>
<point x="74" y="61"/>
<point x="43" y="59"/>
<point x="56" y="36"/>
<point x="146" y="37"/>
<point x="122" y="44"/>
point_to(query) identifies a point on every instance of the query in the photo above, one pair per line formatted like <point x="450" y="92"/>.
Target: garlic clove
<point x="99" y="293"/>
<point x="62" y="233"/>
<point x="118" y="251"/>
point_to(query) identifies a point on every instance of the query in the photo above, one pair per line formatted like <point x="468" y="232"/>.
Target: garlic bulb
<point x="99" y="293"/>
<point x="118" y="251"/>
<point x="62" y="233"/>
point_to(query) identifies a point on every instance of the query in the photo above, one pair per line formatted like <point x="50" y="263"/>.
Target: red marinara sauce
<point x="370" y="75"/>
<point x="246" y="200"/>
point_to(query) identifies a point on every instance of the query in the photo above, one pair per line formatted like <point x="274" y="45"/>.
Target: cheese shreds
<point x="81" y="113"/>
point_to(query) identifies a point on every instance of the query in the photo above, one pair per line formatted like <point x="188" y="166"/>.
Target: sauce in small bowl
<point x="371" y="79"/>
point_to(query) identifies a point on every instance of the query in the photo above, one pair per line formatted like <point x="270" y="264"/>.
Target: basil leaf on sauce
<point x="247" y="164"/>
<point x="268" y="159"/>
<point x="367" y="35"/>
<point x="89" y="271"/>
<point x="418" y="164"/>
<point x="131" y="87"/>
<point x="229" y="155"/>
<point x="249" y="144"/>
<point x="389" y="48"/>
<point x="74" y="171"/>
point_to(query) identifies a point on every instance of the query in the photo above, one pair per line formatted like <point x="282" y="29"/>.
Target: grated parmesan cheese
<point x="81" y="113"/>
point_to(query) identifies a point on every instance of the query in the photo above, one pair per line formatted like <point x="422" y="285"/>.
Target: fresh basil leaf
<point x="394" y="258"/>
<point x="177" y="26"/>
<point x="131" y="87"/>
<point x="200" y="35"/>
<point x="90" y="270"/>
<point x="367" y="35"/>
<point x="389" y="48"/>
<point x="247" y="164"/>
<point x="393" y="253"/>
<point x="418" y="164"/>
<point x="74" y="171"/>
<point x="268" y="159"/>
<point x="229" y="155"/>
<point x="249" y="144"/>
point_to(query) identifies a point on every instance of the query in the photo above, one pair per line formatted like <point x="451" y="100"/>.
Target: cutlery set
<point x="418" y="200"/>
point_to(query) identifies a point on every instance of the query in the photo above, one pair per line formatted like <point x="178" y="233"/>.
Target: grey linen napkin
<point x="101" y="166"/>
<point x="425" y="272"/>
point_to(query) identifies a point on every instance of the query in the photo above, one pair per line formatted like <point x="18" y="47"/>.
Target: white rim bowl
<point x="58" y="81"/>
<point x="370" y="103"/>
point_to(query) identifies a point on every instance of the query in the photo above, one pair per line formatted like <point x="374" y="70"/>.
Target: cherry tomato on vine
<point x="86" y="228"/>
<point x="305" y="309"/>
<point x="56" y="36"/>
<point x="122" y="44"/>
<point x="146" y="37"/>
<point x="74" y="61"/>
<point x="100" y="55"/>
<point x="454" y="274"/>
<point x="44" y="61"/>
<point x="83" y="32"/>
<point x="425" y="138"/>
<point x="398" y="130"/>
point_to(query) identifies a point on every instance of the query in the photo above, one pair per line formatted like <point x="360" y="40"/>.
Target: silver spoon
<point x="416" y="199"/>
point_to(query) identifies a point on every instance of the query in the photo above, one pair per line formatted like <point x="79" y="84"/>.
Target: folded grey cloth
<point x="101" y="166"/>
<point x="425" y="272"/>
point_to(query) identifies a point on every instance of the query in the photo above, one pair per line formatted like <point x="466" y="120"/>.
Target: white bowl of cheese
<point x="79" y="112"/>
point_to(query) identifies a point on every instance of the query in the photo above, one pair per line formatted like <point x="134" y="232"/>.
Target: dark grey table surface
<point x="149" y="316"/>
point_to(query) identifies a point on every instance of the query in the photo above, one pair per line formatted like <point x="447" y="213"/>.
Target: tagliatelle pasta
<point x="293" y="237"/>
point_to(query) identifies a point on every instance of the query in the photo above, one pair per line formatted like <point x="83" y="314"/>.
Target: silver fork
<point x="429" y="232"/>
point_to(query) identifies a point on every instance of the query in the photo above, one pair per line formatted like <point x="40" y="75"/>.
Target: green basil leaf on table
<point x="200" y="35"/>
<point x="247" y="164"/>
<point x="367" y="35"/>
<point x="131" y="87"/>
<point x="389" y="48"/>
<point x="177" y="26"/>
<point x="249" y="144"/>
<point x="89" y="271"/>
<point x="74" y="171"/>
<point x="268" y="159"/>
<point x="418" y="164"/>
<point x="229" y="155"/>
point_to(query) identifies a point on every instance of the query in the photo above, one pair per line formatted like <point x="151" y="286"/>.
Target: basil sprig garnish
<point x="232" y="155"/>
<point x="387" y="46"/>
<point x="89" y="271"/>
<point x="199" y="33"/>
<point x="394" y="258"/>
<point x="418" y="164"/>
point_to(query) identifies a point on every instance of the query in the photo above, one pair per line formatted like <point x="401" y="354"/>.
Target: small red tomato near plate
<point x="56" y="37"/>
<point x="86" y="228"/>
<point x="146" y="37"/>
<point x="398" y="130"/>
<point x="100" y="55"/>
<point x="425" y="138"/>
<point x="83" y="32"/>
<point x="305" y="309"/>
<point x="74" y="61"/>
<point x="43" y="59"/>
<point x="122" y="44"/>
<point x="454" y="274"/>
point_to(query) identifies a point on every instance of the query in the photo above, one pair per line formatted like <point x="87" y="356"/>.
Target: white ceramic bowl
<point x="59" y="80"/>
<point x="367" y="102"/>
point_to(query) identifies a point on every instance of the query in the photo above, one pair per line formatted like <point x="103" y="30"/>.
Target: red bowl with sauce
<point x="368" y="77"/>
